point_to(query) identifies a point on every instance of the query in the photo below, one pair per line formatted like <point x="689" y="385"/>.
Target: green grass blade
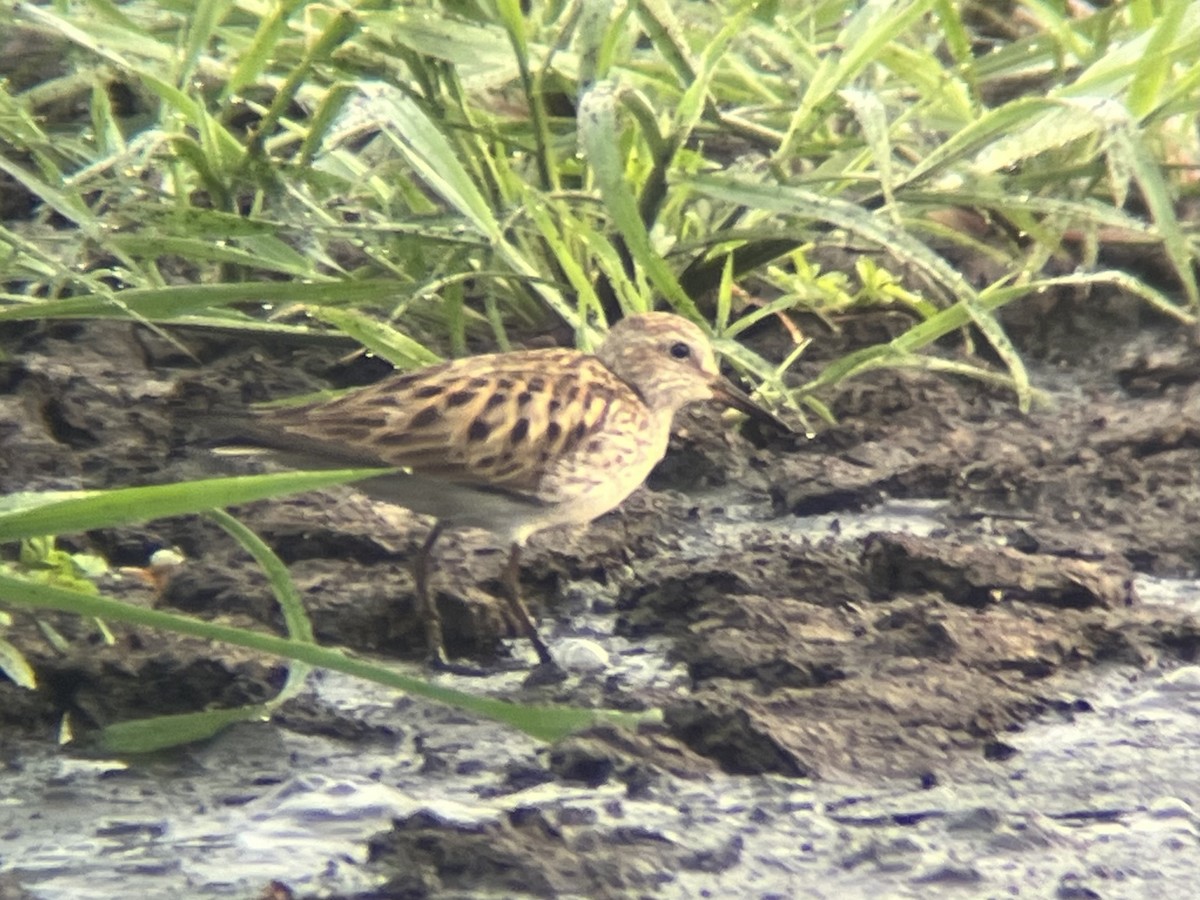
<point x="561" y="238"/>
<point x="161" y="732"/>
<point x="868" y="108"/>
<point x="663" y="29"/>
<point x="63" y="202"/>
<point x="861" y="41"/>
<point x="998" y="123"/>
<point x="901" y="349"/>
<point x="268" y="255"/>
<point x="797" y="201"/>
<point x="295" y="616"/>
<point x="205" y="16"/>
<point x="378" y="337"/>
<point x="547" y="723"/>
<point x="340" y="27"/>
<point x="15" y="667"/>
<point x="121" y="506"/>
<point x="436" y="160"/>
<point x="1156" y="62"/>
<point x="1128" y="144"/>
<point x="600" y="138"/>
<point x="168" y="303"/>
<point x="256" y="57"/>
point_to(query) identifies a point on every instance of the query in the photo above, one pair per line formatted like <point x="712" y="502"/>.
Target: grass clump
<point x="451" y="170"/>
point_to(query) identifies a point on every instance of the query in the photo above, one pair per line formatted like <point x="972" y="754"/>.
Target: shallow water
<point x="1099" y="797"/>
<point x="1099" y="800"/>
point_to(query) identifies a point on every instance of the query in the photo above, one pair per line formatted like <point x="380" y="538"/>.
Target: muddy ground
<point x="808" y="653"/>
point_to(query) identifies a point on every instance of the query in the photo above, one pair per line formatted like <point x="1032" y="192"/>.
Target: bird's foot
<point x="439" y="663"/>
<point x="546" y="672"/>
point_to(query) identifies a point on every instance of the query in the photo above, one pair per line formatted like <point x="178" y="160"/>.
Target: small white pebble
<point x="166" y="558"/>
<point x="580" y="655"/>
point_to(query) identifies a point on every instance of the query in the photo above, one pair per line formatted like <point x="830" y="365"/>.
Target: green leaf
<point x="378" y="337"/>
<point x="600" y="137"/>
<point x="161" y="732"/>
<point x="546" y="723"/>
<point x="265" y="252"/>
<point x="436" y="160"/>
<point x="871" y="26"/>
<point x="798" y="201"/>
<point x="205" y="16"/>
<point x="295" y="617"/>
<point x="168" y="303"/>
<point x="257" y="57"/>
<point x="102" y="509"/>
<point x="1156" y="62"/>
<point x="64" y="202"/>
<point x="16" y="667"/>
<point x="1128" y="143"/>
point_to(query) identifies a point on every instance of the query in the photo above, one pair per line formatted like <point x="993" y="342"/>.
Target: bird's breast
<point x="606" y="468"/>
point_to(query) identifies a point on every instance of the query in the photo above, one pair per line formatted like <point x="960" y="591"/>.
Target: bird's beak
<point x="725" y="392"/>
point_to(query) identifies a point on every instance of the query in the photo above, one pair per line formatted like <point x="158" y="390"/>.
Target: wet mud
<point x="797" y="642"/>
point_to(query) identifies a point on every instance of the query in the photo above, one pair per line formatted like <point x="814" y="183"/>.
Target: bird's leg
<point x="512" y="593"/>
<point x="426" y="605"/>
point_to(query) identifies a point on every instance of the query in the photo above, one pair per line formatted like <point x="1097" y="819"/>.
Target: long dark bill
<point x="725" y="392"/>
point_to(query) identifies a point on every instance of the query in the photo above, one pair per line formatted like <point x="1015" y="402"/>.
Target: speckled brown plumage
<point x="514" y="442"/>
<point x="509" y="428"/>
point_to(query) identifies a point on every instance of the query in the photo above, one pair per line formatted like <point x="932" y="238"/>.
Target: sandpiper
<point x="513" y="443"/>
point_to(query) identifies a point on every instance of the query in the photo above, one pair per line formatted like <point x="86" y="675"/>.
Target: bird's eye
<point x="680" y="350"/>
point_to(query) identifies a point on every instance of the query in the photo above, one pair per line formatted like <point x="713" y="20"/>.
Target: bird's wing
<point x="500" y="421"/>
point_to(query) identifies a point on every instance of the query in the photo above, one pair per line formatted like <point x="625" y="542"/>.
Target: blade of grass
<point x="66" y="203"/>
<point x="269" y="254"/>
<point x="295" y="618"/>
<point x="256" y="57"/>
<point x="600" y="138"/>
<point x="957" y="316"/>
<point x="205" y="16"/>
<point x="800" y="202"/>
<point x="1128" y="143"/>
<point x="162" y="732"/>
<point x="101" y="509"/>
<point x="872" y="25"/>
<point x="341" y="26"/>
<point x="169" y="303"/>
<point x="378" y="337"/>
<point x="436" y="160"/>
<point x="1155" y="64"/>
<point x="514" y="21"/>
<point x="546" y="723"/>
<point x="159" y="732"/>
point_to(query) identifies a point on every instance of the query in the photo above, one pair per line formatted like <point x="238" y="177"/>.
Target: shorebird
<point x="513" y="443"/>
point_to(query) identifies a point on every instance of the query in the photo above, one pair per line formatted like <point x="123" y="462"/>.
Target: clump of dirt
<point x="532" y="854"/>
